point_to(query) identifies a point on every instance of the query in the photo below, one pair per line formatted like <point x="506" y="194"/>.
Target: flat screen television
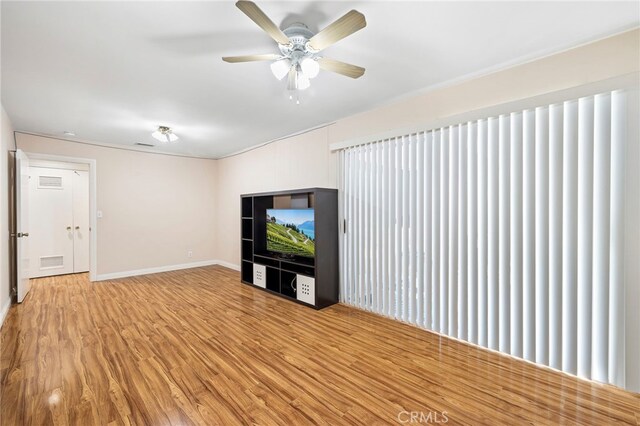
<point x="291" y="232"/>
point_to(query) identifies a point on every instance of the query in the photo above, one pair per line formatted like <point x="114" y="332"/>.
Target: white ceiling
<point x="113" y="71"/>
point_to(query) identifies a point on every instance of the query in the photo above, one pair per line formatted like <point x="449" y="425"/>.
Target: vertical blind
<point x="505" y="232"/>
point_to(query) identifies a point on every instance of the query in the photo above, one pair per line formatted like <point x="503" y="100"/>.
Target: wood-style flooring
<point x="198" y="347"/>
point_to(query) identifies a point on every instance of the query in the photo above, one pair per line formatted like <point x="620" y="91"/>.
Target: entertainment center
<point x="290" y="244"/>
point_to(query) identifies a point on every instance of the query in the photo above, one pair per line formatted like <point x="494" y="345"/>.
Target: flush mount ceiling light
<point x="164" y="134"/>
<point x="68" y="133"/>
<point x="300" y="49"/>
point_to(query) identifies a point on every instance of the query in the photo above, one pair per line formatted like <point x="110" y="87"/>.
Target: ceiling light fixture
<point x="306" y="68"/>
<point x="310" y="67"/>
<point x="164" y="134"/>
<point x="67" y="133"/>
<point x="280" y="68"/>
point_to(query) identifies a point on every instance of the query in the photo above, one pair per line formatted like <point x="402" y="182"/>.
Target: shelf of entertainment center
<point x="288" y="297"/>
<point x="303" y="267"/>
<point x="301" y="261"/>
<point x="297" y="261"/>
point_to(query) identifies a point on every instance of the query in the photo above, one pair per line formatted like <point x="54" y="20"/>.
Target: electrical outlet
<point x="189" y="253"/>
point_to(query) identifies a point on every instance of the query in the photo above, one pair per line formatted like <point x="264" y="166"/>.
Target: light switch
<point x="99" y="214"/>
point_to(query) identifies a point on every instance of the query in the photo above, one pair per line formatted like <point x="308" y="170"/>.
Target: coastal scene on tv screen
<point x="291" y="231"/>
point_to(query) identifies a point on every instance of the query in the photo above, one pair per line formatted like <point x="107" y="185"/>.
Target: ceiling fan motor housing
<point x="298" y="34"/>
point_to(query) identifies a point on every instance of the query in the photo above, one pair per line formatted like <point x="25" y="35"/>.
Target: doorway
<point x="26" y="265"/>
<point x="58" y="218"/>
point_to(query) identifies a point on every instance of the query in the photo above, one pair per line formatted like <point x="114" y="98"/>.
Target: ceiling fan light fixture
<point x="280" y="68"/>
<point x="310" y="67"/>
<point x="164" y="134"/>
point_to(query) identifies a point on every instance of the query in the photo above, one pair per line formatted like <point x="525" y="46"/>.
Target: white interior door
<point x="81" y="221"/>
<point x="22" y="224"/>
<point x="51" y="219"/>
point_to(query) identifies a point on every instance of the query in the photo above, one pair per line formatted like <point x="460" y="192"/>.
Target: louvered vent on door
<point x="47" y="262"/>
<point x="49" y="182"/>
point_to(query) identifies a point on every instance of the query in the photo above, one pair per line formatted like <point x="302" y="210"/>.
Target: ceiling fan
<point x="300" y="49"/>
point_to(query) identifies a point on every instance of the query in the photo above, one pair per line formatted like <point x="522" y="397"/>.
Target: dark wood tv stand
<point x="311" y="281"/>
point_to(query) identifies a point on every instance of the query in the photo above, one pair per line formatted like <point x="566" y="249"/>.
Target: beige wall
<point x="601" y="60"/>
<point x="155" y="207"/>
<point x="6" y="143"/>
<point x="302" y="161"/>
<point x="277" y="166"/>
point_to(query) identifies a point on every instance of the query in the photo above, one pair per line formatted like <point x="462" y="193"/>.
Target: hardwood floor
<point x="198" y="347"/>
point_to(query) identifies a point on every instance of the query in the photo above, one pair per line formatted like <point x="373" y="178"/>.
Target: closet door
<point x="51" y="221"/>
<point x="81" y="221"/>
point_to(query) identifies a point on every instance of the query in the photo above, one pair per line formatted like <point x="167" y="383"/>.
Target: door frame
<point x="93" y="203"/>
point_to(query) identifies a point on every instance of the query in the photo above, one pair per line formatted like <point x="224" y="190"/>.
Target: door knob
<point x="77" y="227"/>
<point x="68" y="228"/>
<point x="22" y="234"/>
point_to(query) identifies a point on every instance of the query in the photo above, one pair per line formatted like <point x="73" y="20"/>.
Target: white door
<point x="22" y="224"/>
<point x="81" y="221"/>
<point x="51" y="219"/>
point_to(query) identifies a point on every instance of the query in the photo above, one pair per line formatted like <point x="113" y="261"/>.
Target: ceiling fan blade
<point x="254" y="13"/>
<point x="351" y="22"/>
<point x="343" y="68"/>
<point x="251" y="58"/>
<point x="291" y="83"/>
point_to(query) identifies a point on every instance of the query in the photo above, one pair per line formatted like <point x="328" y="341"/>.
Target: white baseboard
<point x="155" y="270"/>
<point x="228" y="265"/>
<point x="4" y="312"/>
